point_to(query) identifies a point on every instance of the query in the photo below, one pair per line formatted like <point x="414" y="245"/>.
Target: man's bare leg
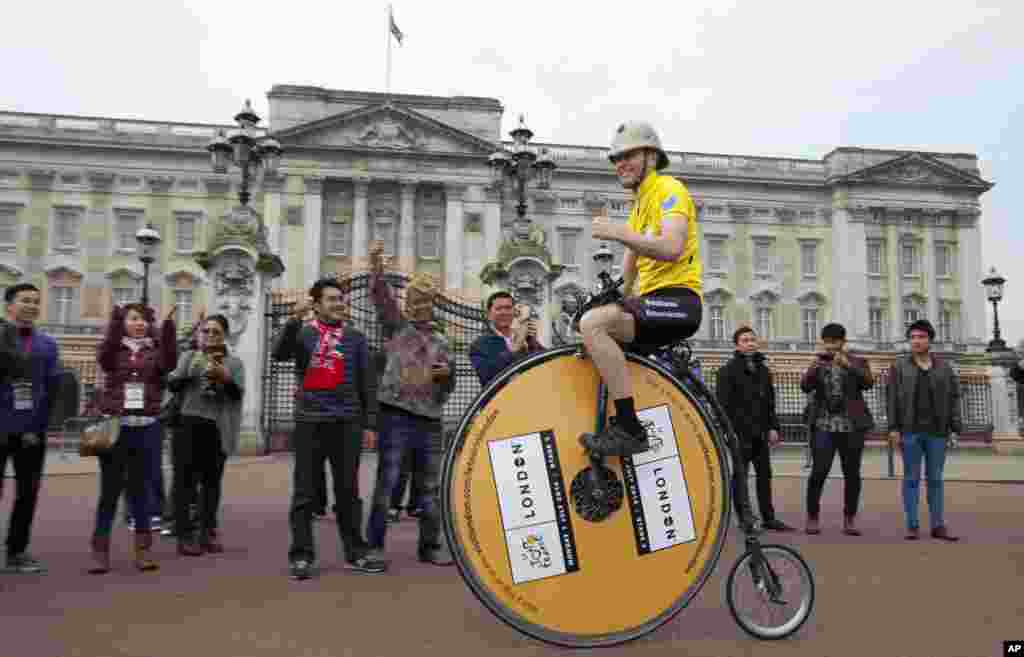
<point x="602" y="329"/>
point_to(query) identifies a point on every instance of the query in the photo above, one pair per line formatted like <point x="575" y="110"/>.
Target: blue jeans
<point x="422" y="436"/>
<point x="154" y="458"/>
<point x="128" y="463"/>
<point x="933" y="449"/>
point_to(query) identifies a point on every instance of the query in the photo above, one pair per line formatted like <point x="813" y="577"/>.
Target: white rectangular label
<point x="534" y="507"/>
<point x="521" y="475"/>
<point x="134" y="396"/>
<point x="23" y="396"/>
<point x="666" y="503"/>
<point x="535" y="553"/>
<point x="656" y="487"/>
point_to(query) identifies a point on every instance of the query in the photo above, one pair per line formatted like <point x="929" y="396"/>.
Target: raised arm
<point x="168" y="343"/>
<point x="106" y="353"/>
<point x="383" y="298"/>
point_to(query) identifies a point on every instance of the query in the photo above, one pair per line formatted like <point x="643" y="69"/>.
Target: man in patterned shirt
<point x="839" y="419"/>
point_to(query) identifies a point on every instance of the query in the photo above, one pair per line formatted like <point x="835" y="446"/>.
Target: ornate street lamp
<point x="519" y="163"/>
<point x="149" y="241"/>
<point x="247" y="149"/>
<point x="994" y="288"/>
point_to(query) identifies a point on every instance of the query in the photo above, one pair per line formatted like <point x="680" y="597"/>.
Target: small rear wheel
<point x="749" y="592"/>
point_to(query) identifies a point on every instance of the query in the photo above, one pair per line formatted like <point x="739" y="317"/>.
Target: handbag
<point x="100" y="436"/>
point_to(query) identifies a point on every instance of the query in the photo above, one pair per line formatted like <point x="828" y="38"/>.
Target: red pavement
<point x="877" y="594"/>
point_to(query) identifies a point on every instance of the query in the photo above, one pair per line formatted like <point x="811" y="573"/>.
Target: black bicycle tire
<point x="508" y="616"/>
<point x="733" y="572"/>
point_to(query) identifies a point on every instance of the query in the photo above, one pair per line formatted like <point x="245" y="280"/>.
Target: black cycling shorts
<point x="664" y="316"/>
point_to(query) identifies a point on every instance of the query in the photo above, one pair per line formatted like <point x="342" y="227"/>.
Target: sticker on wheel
<point x="659" y="500"/>
<point x="534" y="507"/>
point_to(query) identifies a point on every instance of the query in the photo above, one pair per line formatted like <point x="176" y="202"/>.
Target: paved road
<point x="877" y="594"/>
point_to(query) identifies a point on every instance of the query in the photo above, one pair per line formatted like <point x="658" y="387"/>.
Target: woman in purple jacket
<point x="135" y="363"/>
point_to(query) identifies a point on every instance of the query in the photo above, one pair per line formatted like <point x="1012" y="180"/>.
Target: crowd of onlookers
<point x="346" y="403"/>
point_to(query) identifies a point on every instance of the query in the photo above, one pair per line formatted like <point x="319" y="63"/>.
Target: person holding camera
<point x="512" y="336"/>
<point x="924" y="412"/>
<point x="212" y="382"/>
<point x="840" y="418"/>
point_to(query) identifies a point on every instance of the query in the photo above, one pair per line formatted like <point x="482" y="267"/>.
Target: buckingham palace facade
<point x="870" y="238"/>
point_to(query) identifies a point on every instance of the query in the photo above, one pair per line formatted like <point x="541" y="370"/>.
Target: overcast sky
<point x="788" y="78"/>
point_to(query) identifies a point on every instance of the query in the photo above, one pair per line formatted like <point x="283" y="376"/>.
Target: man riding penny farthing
<point x="576" y="525"/>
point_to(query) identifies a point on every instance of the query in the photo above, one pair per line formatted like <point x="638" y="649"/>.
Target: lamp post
<point x="248" y="149"/>
<point x="148" y="239"/>
<point x="519" y="164"/>
<point x="994" y="288"/>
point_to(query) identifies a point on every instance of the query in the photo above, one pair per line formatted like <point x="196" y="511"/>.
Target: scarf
<point x="137" y="344"/>
<point x="330" y="336"/>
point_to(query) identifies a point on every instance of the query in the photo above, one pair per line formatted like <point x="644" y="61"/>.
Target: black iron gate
<point x="460" y="322"/>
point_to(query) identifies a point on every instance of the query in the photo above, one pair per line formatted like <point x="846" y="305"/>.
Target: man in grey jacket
<point x="924" y="410"/>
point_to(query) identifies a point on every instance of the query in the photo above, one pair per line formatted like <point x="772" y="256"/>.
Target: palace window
<point x="763" y="256"/>
<point x="717" y="324"/>
<point x="909" y="255"/>
<point x="948" y="325"/>
<point x="183" y="307"/>
<point x="385" y="232"/>
<point x="569" y="246"/>
<point x="809" y="321"/>
<point x="716" y="254"/>
<point x="8" y="226"/>
<point x="809" y="259"/>
<point x="185" y="233"/>
<point x="764" y="323"/>
<point x="876" y="261"/>
<point x="65" y="228"/>
<point x="62" y="300"/>
<point x="122" y="296"/>
<point x="337" y="238"/>
<point x="944" y="262"/>
<point x="430" y="241"/>
<point x="876" y="321"/>
<point x="910" y="315"/>
<point x="127" y="225"/>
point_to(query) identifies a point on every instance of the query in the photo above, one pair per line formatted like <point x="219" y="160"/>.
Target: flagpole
<point x="388" y="75"/>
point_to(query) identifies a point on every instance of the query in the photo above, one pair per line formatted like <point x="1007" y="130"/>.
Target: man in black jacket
<point x="746" y="392"/>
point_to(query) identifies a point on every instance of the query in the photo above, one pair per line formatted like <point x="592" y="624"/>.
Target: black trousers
<point x="758" y="453"/>
<point x="198" y="460"/>
<point x="340" y="443"/>
<point x="406" y="477"/>
<point x="28" y="471"/>
<point x="851" y="453"/>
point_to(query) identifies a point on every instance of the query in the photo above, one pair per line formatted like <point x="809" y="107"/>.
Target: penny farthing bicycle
<point x="579" y="552"/>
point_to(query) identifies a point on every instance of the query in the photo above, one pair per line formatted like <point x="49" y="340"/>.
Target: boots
<point x="143" y="543"/>
<point x="813" y="527"/>
<point x="849" y="528"/>
<point x="100" y="554"/>
<point x="210" y="542"/>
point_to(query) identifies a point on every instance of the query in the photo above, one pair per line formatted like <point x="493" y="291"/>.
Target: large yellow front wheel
<point x="611" y="574"/>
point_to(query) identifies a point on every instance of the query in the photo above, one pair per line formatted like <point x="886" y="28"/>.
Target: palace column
<point x="407" y="228"/>
<point x="454" y="220"/>
<point x="312" y="228"/>
<point x="360" y="223"/>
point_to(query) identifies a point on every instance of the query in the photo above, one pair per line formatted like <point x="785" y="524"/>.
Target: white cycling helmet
<point x="632" y="135"/>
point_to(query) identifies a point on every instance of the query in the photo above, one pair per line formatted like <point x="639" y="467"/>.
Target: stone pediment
<point x="385" y="127"/>
<point x="914" y="169"/>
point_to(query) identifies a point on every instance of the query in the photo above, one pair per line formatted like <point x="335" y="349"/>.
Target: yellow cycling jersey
<point x="659" y="198"/>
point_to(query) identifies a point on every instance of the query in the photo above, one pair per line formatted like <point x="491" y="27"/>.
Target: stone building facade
<point x="870" y="238"/>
